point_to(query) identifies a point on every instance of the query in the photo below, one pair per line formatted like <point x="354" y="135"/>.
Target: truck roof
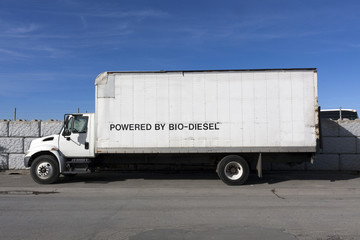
<point x="101" y="76"/>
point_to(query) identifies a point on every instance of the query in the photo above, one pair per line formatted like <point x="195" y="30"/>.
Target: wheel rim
<point x="233" y="170"/>
<point x="44" y="170"/>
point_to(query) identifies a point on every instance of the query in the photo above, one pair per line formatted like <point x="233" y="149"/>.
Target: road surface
<point x="135" y="206"/>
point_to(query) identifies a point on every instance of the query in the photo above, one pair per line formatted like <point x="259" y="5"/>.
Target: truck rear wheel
<point x="45" y="169"/>
<point x="233" y="170"/>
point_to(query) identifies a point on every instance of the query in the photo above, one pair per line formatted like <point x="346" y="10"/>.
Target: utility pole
<point x="15" y="114"/>
<point x="340" y="113"/>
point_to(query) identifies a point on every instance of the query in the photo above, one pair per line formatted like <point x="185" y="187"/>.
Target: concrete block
<point x="24" y="128"/>
<point x="325" y="162"/>
<point x="27" y="142"/>
<point x="16" y="161"/>
<point x="349" y="128"/>
<point x="50" y="127"/>
<point x="329" y="128"/>
<point x="284" y="166"/>
<point x="339" y="144"/>
<point x="11" y="145"/>
<point x="350" y="162"/>
<point x="4" y="128"/>
<point x="4" y="163"/>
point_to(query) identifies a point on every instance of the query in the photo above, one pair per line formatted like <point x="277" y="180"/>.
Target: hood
<point x="48" y="140"/>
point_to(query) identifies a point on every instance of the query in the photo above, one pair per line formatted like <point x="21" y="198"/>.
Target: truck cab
<point x="50" y="156"/>
<point x="77" y="136"/>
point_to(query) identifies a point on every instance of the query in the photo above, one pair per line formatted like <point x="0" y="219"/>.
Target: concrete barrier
<point x="341" y="144"/>
<point x="16" y="136"/>
<point x="4" y="161"/>
<point x="4" y="128"/>
<point x="22" y="128"/>
<point x="50" y="127"/>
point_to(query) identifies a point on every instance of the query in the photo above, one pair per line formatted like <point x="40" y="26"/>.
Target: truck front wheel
<point x="45" y="169"/>
<point x="233" y="170"/>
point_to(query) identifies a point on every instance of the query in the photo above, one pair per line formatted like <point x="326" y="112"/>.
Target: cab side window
<point x="79" y="124"/>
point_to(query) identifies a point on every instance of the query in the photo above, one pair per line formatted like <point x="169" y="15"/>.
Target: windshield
<point x="75" y="124"/>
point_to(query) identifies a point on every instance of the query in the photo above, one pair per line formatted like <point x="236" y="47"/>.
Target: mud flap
<point x="259" y="166"/>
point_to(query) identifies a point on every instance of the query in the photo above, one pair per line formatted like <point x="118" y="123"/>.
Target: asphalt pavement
<point x="187" y="205"/>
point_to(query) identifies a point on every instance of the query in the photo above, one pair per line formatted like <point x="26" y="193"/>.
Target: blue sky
<point x="52" y="51"/>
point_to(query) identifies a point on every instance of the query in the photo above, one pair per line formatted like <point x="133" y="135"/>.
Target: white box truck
<point x="234" y="119"/>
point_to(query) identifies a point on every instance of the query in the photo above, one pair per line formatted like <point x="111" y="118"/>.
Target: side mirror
<point x="66" y="132"/>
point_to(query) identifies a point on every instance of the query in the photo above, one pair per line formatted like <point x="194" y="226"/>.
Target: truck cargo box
<point x="207" y="111"/>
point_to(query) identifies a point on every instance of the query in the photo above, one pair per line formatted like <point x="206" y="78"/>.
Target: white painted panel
<point x="176" y="101"/>
<point x="223" y="93"/>
<point x="103" y="137"/>
<point x="298" y="103"/>
<point x="248" y="98"/>
<point x="198" y="103"/>
<point x="211" y="107"/>
<point x="286" y="118"/>
<point x="162" y="113"/>
<point x="236" y="110"/>
<point x="150" y="104"/>
<point x="125" y="93"/>
<point x="311" y="102"/>
<point x="273" y="108"/>
<point x="139" y="108"/>
<point x="260" y="105"/>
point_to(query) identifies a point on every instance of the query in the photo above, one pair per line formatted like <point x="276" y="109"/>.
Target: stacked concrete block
<point x="325" y="162"/>
<point x="16" y="161"/>
<point x="16" y="136"/>
<point x="27" y="142"/>
<point x="4" y="133"/>
<point x="329" y="128"/>
<point x="12" y="139"/>
<point x="349" y="128"/>
<point x="50" y="127"/>
<point x="4" y="161"/>
<point x="11" y="145"/>
<point x="24" y="128"/>
<point x="350" y="162"/>
<point x="341" y="146"/>
<point x="4" y="128"/>
<point x="290" y="167"/>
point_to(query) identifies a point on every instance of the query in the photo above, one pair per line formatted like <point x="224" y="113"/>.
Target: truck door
<point x="75" y="138"/>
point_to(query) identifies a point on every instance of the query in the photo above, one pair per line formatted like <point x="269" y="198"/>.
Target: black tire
<point x="45" y="169"/>
<point x="233" y="170"/>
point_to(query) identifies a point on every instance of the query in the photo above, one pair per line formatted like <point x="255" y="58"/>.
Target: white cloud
<point x="138" y="13"/>
<point x="29" y="28"/>
<point x="354" y="45"/>
<point x="84" y="22"/>
<point x="12" y="53"/>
